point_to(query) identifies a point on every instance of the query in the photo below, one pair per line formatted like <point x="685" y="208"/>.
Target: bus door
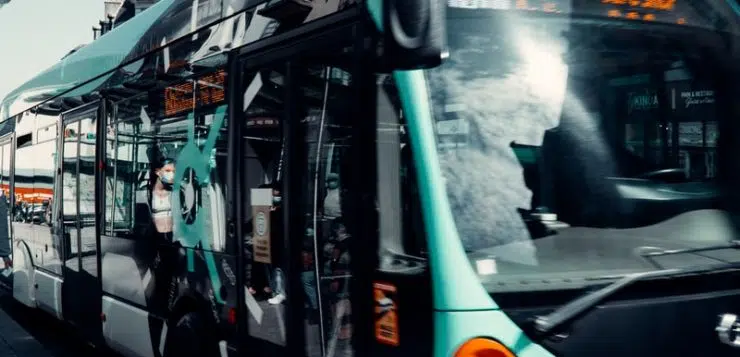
<point x="81" y="288"/>
<point x="299" y="234"/>
<point x="6" y="243"/>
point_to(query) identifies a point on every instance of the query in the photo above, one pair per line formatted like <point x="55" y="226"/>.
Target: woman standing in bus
<point x="161" y="197"/>
<point x="162" y="179"/>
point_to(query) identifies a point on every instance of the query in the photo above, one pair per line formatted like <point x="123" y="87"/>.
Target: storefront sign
<point x="261" y="199"/>
<point x="697" y="97"/>
<point x="642" y="100"/>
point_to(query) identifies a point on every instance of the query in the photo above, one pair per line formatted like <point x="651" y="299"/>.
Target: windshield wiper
<point x="733" y="244"/>
<point x="544" y="326"/>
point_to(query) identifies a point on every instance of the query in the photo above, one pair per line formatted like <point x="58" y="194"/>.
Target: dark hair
<point x="159" y="156"/>
<point x="157" y="161"/>
<point x="162" y="162"/>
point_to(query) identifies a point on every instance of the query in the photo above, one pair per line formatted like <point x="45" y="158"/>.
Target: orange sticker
<point x="386" y="314"/>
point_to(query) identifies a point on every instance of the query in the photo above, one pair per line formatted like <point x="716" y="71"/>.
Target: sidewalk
<point x="17" y="342"/>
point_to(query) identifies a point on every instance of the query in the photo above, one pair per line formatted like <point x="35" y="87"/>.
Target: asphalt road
<point x="56" y="338"/>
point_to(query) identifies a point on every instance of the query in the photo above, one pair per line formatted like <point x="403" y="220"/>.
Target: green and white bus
<point x="522" y="178"/>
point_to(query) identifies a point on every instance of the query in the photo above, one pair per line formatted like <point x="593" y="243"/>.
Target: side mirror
<point x="414" y="33"/>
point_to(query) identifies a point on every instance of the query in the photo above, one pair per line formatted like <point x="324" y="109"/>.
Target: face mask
<point x="276" y="200"/>
<point x="168" y="177"/>
<point x="333" y="185"/>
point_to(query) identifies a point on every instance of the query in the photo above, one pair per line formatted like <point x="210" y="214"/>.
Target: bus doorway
<point x="299" y="143"/>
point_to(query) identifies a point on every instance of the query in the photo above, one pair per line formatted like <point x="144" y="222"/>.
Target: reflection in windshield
<point x="568" y="145"/>
<point x="490" y="100"/>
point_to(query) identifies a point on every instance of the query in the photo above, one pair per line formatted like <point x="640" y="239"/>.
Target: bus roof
<point x="193" y="35"/>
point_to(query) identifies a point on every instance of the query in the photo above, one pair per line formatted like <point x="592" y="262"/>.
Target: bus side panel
<point x="23" y="275"/>
<point x="48" y="292"/>
<point x="126" y="328"/>
<point x="125" y="278"/>
<point x="133" y="297"/>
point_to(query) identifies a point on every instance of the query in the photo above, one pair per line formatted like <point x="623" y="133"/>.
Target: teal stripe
<point x="195" y="234"/>
<point x="375" y="8"/>
<point x="446" y="253"/>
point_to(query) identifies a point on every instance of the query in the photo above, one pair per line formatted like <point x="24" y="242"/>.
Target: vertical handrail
<point x="317" y="167"/>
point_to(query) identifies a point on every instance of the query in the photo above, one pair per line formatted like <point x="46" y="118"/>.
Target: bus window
<point x="34" y="183"/>
<point x="327" y="127"/>
<point x="85" y="195"/>
<point x="5" y="201"/>
<point x="400" y="221"/>
<point x="164" y="188"/>
<point x="264" y="241"/>
<point x="144" y="158"/>
<point x="128" y="139"/>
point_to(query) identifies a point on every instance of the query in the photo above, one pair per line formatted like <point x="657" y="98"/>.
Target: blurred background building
<point x="117" y="12"/>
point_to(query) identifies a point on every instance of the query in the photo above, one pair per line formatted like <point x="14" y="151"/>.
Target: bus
<point x="385" y="177"/>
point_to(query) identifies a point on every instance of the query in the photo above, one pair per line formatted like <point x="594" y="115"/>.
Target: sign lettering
<point x="182" y="97"/>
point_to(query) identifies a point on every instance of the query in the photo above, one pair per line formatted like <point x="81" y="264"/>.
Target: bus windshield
<point x="573" y="145"/>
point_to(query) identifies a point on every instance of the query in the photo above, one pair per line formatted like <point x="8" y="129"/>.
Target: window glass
<point x="400" y="215"/>
<point x="6" y="201"/>
<point x="34" y="174"/>
<point x="128" y="141"/>
<point x="166" y="165"/>
<point x="86" y="193"/>
<point x="69" y="196"/>
<point x="264" y="105"/>
<point x="327" y="126"/>
<point x="5" y="211"/>
<point x="566" y="152"/>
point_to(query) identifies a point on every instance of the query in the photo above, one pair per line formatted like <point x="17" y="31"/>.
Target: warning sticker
<point x="386" y="314"/>
<point x="261" y="202"/>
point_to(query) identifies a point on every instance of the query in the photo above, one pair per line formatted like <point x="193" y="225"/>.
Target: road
<point x="49" y="332"/>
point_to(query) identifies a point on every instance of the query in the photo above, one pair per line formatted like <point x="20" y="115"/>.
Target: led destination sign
<point x="708" y="13"/>
<point x="646" y="10"/>
<point x="183" y="97"/>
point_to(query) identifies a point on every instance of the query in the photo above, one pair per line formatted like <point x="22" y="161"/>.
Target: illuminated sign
<point x="707" y="13"/>
<point x="645" y="10"/>
<point x="698" y="97"/>
<point x="644" y="100"/>
<point x="183" y="97"/>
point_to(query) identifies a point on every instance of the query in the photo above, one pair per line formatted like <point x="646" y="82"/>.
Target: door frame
<point x="287" y="50"/>
<point x="72" y="116"/>
<point x="9" y="140"/>
<point x="69" y="117"/>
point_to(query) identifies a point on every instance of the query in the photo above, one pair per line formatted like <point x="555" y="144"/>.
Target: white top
<point x="161" y="206"/>
<point x="332" y="204"/>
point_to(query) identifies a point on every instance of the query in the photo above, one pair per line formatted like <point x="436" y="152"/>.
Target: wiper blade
<point x="544" y="326"/>
<point x="733" y="244"/>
